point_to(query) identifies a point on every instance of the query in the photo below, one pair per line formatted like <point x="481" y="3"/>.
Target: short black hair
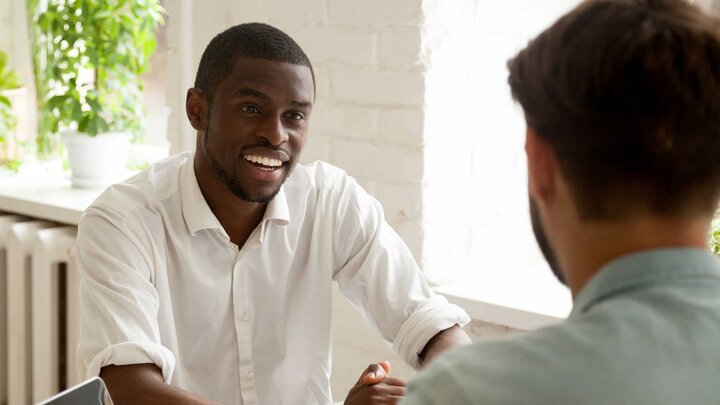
<point x="250" y="40"/>
<point x="627" y="94"/>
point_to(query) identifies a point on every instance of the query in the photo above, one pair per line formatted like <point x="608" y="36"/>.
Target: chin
<point x="255" y="194"/>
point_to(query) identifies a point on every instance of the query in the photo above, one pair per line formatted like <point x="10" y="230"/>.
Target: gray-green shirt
<point x="644" y="330"/>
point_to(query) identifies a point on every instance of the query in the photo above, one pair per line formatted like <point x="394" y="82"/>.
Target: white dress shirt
<point x="162" y="283"/>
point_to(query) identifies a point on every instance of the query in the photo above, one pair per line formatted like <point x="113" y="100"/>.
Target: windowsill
<point x="521" y="299"/>
<point x="46" y="195"/>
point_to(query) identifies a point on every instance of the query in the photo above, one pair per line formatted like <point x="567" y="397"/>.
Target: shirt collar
<point x="197" y="212"/>
<point x="644" y="268"/>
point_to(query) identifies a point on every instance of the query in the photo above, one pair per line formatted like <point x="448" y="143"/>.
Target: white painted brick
<point x="5" y="41"/>
<point x="399" y="46"/>
<point x="370" y="186"/>
<point x="5" y="9"/>
<point x="344" y="121"/>
<point x="317" y="147"/>
<point x="322" y="81"/>
<point x="383" y="163"/>
<point x="377" y="88"/>
<point x="242" y="11"/>
<point x="401" y="201"/>
<point x="375" y="12"/>
<point x="295" y="12"/>
<point x="211" y="17"/>
<point x="337" y="44"/>
<point x="411" y="232"/>
<point x="6" y="29"/>
<point x="401" y="126"/>
<point x="205" y="31"/>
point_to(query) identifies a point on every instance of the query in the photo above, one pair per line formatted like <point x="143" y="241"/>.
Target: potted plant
<point x="9" y="83"/>
<point x="91" y="55"/>
<point x="714" y="236"/>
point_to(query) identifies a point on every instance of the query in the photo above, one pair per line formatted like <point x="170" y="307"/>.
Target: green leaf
<point x="83" y="124"/>
<point x="102" y="14"/>
<point x="56" y="101"/>
<point x="94" y="105"/>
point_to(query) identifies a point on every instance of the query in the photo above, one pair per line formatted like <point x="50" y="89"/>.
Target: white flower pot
<point x="97" y="161"/>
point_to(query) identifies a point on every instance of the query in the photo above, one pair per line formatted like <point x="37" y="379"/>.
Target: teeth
<point x="263" y="160"/>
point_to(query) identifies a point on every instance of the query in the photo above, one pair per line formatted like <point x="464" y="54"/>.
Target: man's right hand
<point x="375" y="387"/>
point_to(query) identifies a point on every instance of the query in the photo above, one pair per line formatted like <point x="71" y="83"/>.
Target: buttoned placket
<point x="244" y="320"/>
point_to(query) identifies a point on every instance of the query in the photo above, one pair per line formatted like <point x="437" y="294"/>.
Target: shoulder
<point x="320" y="176"/>
<point x="328" y="184"/>
<point x="143" y="191"/>
<point x="535" y="367"/>
<point x="327" y="188"/>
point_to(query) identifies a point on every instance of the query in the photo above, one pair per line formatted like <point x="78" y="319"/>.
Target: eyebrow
<point x="247" y="91"/>
<point x="301" y="104"/>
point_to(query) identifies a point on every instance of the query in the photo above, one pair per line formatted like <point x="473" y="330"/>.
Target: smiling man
<point x="208" y="277"/>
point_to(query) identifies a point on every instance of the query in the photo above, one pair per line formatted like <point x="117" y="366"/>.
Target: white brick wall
<point x="5" y="26"/>
<point x="369" y="86"/>
<point x="14" y="38"/>
<point x="376" y="13"/>
<point x="14" y="41"/>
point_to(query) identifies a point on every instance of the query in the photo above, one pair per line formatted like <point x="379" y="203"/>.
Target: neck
<point x="237" y="216"/>
<point x="593" y="244"/>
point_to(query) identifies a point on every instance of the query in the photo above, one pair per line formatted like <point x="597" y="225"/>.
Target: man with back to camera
<point x="622" y="103"/>
<point x="208" y="276"/>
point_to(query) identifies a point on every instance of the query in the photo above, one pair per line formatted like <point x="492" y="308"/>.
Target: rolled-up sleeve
<point x="118" y="301"/>
<point x="432" y="316"/>
<point x="376" y="271"/>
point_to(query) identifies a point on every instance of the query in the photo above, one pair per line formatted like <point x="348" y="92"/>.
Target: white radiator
<point x="38" y="311"/>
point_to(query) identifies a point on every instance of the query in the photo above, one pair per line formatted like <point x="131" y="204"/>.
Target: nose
<point x="273" y="131"/>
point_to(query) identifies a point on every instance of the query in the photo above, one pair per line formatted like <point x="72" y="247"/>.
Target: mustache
<point x="267" y="145"/>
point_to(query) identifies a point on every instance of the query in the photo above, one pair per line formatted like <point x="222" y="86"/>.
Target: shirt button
<point x="244" y="316"/>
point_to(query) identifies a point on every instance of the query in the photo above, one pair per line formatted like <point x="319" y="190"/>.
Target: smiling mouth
<point x="264" y="162"/>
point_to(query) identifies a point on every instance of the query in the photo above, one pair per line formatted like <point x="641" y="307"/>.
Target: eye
<point x="295" y="116"/>
<point x="249" y="109"/>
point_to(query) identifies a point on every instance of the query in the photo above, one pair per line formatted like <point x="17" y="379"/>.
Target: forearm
<point x="143" y="384"/>
<point x="442" y="341"/>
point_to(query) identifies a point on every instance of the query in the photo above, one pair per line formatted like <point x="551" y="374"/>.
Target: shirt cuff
<point x="126" y="353"/>
<point x="433" y="316"/>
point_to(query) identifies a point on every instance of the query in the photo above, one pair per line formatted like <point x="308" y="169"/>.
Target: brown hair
<point x="627" y="93"/>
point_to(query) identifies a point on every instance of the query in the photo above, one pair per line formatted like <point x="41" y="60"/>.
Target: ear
<point x="542" y="165"/>
<point x="196" y="109"/>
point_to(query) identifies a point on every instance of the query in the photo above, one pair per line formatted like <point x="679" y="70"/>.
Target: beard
<point x="544" y="243"/>
<point x="233" y="183"/>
